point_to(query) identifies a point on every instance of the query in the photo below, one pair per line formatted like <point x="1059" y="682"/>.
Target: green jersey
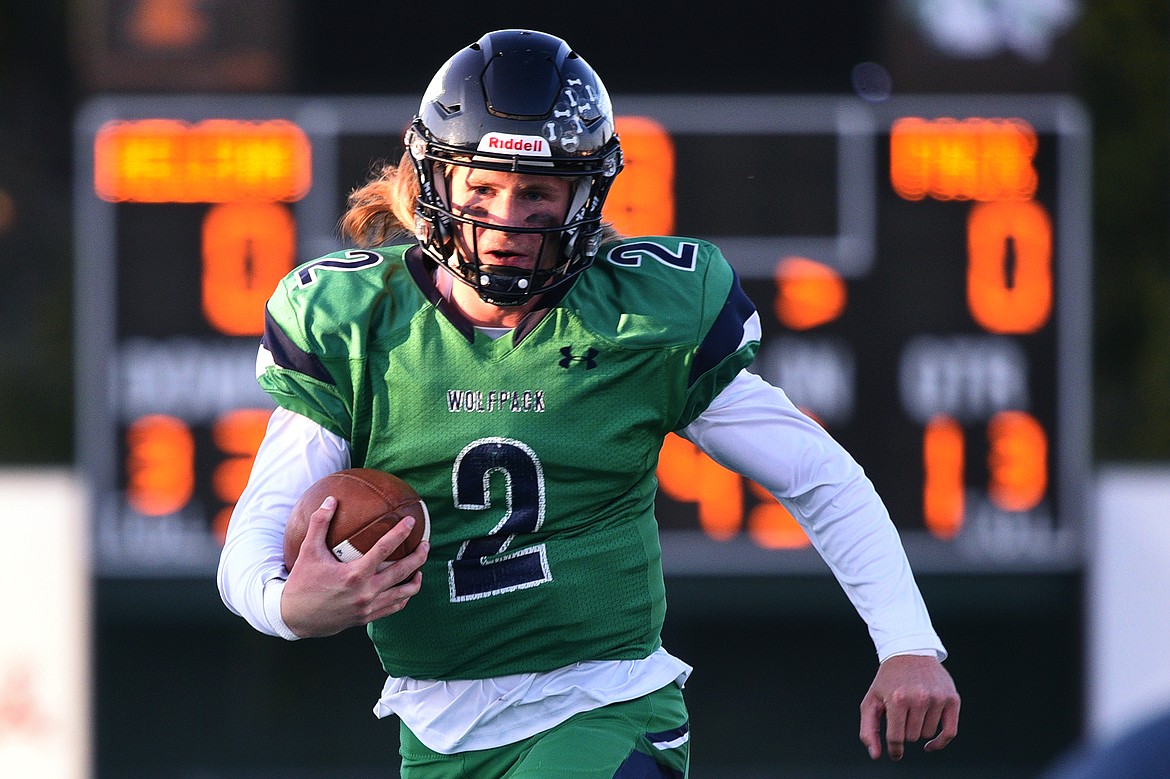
<point x="535" y="452"/>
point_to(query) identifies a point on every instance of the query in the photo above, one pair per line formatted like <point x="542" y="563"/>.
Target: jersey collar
<point x="422" y="270"/>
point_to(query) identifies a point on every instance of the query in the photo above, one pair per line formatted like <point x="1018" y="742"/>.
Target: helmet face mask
<point x="515" y="101"/>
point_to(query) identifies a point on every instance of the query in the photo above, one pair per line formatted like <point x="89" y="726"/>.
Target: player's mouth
<point x="506" y="259"/>
<point x="509" y="256"/>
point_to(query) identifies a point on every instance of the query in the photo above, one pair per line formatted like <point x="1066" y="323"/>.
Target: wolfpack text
<point x="478" y="401"/>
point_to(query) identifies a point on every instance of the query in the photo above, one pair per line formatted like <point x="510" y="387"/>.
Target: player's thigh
<point x="646" y="738"/>
<point x="421" y="762"/>
<point x="641" y="739"/>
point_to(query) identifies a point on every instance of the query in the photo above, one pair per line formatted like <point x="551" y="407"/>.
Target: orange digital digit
<point x="689" y="476"/>
<point x="1017" y="461"/>
<point x="237" y="434"/>
<point x="808" y="293"/>
<point x="771" y="525"/>
<point x="160" y="465"/>
<point x="247" y="249"/>
<point x="642" y="199"/>
<point x="942" y="488"/>
<point x="1009" y="266"/>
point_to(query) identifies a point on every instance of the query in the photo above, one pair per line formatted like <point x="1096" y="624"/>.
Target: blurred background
<point x="1047" y="650"/>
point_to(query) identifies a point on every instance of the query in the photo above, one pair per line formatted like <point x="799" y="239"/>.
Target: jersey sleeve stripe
<point x="286" y="354"/>
<point x="737" y="325"/>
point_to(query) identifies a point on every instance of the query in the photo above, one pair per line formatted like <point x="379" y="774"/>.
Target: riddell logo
<point x="504" y="143"/>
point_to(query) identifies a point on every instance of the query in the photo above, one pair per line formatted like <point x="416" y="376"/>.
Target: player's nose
<point x="508" y="209"/>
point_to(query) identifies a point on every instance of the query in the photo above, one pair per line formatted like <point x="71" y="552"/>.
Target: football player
<point x="519" y="364"/>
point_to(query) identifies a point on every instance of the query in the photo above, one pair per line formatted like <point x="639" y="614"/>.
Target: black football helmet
<point x="519" y="101"/>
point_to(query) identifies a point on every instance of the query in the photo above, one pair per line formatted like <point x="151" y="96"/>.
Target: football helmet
<point x="518" y="101"/>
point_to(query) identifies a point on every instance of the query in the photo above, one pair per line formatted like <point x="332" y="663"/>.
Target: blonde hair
<point x="382" y="209"/>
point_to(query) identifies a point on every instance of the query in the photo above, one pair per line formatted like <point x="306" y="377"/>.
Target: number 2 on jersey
<point x="488" y="566"/>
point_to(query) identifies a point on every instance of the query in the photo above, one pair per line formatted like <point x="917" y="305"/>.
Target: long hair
<point x="382" y="209"/>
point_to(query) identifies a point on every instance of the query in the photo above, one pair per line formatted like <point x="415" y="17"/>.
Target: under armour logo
<point x="569" y="358"/>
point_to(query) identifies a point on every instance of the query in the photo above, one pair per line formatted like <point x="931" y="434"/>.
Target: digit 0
<point x="247" y="249"/>
<point x="1009" y="266"/>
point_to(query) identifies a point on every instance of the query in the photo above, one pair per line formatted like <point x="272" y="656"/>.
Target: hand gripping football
<point x="369" y="503"/>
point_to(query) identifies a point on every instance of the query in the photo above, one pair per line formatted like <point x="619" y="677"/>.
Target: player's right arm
<point x="294" y="453"/>
<point x="321" y="596"/>
<point x="303" y="442"/>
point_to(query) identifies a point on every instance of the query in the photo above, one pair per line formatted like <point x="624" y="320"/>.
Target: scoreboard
<point x="921" y="267"/>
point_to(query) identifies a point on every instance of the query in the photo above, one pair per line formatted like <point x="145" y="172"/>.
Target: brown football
<point x="369" y="502"/>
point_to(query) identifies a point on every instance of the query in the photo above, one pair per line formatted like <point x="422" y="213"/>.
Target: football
<point x="369" y="503"/>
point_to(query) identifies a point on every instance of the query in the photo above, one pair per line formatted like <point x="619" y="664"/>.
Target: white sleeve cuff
<point x="937" y="654"/>
<point x="273" y="590"/>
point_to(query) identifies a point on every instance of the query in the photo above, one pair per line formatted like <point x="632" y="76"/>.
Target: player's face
<point x="510" y="200"/>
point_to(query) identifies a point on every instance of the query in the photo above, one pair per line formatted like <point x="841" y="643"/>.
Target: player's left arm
<point x="829" y="495"/>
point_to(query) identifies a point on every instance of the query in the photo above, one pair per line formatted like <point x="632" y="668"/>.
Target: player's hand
<point x="918" y="699"/>
<point x="324" y="596"/>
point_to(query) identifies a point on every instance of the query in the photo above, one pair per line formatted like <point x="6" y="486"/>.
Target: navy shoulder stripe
<point x="287" y="354"/>
<point x="736" y="325"/>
